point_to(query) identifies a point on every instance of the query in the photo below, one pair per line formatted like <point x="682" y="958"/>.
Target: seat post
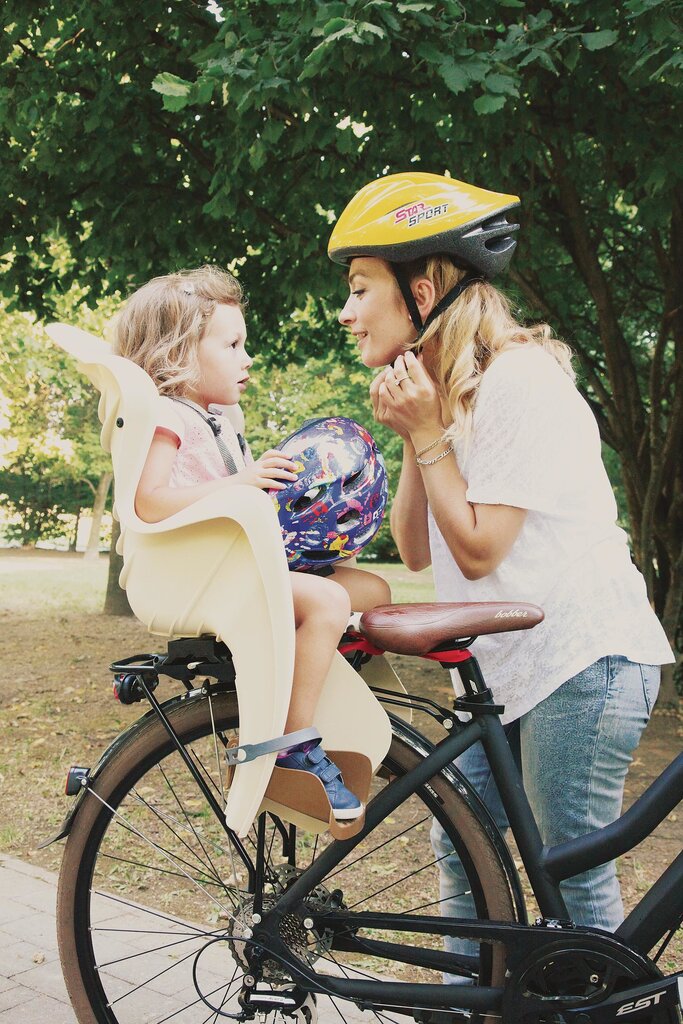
<point x="471" y="676"/>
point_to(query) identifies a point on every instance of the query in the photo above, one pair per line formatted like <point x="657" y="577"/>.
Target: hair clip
<point x="187" y="288"/>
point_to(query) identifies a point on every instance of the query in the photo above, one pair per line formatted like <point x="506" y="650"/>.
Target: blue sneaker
<point x="345" y="805"/>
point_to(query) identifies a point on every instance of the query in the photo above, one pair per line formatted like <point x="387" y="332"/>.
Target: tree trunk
<point x="74" y="536"/>
<point x="92" y="551"/>
<point x="115" y="602"/>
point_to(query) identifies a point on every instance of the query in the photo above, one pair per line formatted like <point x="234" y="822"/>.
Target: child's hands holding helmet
<point x="404" y="397"/>
<point x="267" y="472"/>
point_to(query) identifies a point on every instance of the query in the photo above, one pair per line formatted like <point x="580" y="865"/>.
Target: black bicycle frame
<point x="658" y="911"/>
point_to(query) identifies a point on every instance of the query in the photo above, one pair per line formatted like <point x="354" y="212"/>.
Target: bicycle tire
<point x="105" y="883"/>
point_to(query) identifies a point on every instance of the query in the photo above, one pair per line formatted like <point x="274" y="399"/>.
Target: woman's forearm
<point x="478" y="536"/>
<point x="409" y="514"/>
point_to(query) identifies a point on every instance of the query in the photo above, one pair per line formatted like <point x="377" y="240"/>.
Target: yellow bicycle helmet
<point x="404" y="217"/>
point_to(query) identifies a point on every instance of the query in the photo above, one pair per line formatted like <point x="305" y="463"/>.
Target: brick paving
<point x="32" y="989"/>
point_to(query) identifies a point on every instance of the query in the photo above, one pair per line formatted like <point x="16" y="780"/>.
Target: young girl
<point x="187" y="332"/>
<point x="503" y="491"/>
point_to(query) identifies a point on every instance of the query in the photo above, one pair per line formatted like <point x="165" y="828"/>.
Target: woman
<point x="504" y="493"/>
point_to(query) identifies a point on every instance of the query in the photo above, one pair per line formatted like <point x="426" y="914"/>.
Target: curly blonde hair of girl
<point x="162" y="323"/>
<point x="464" y="340"/>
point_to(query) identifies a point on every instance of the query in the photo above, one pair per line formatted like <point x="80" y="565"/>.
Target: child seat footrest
<point x="304" y="793"/>
<point x="250" y="751"/>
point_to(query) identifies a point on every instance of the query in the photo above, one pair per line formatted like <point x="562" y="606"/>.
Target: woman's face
<point x="375" y="312"/>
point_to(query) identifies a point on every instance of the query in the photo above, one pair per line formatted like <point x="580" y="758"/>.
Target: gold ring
<point x="399" y="379"/>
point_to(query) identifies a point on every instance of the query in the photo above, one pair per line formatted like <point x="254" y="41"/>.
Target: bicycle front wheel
<point x="153" y="900"/>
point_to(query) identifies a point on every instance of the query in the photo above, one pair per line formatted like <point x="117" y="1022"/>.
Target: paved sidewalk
<point x="31" y="986"/>
<point x="32" y="989"/>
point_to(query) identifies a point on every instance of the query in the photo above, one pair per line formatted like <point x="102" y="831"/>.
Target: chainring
<point x="570" y="973"/>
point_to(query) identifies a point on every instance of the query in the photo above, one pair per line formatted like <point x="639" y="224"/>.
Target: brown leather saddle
<point x="420" y="628"/>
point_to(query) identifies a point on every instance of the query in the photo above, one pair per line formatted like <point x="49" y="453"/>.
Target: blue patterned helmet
<point x="336" y="505"/>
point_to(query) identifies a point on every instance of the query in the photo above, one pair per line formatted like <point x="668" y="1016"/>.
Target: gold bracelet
<point x="439" y="440"/>
<point x="430" y="462"/>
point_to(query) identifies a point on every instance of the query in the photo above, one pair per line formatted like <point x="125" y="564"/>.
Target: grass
<point x="52" y="581"/>
<point x="41" y="581"/>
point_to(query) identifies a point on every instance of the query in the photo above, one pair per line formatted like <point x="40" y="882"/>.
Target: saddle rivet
<point x="308" y="922"/>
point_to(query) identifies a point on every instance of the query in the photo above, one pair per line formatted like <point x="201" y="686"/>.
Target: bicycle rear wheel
<point x="152" y="900"/>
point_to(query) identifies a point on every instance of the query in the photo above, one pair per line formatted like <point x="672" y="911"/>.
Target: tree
<point x="252" y="128"/>
<point x="52" y="465"/>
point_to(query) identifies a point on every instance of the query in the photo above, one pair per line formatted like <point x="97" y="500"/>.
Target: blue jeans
<point x="574" y="749"/>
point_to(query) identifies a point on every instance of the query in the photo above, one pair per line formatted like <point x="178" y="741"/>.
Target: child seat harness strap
<point x="216" y="431"/>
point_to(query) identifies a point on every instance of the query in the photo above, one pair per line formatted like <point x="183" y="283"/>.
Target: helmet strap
<point x="449" y="298"/>
<point x="409" y="299"/>
<point x="404" y="284"/>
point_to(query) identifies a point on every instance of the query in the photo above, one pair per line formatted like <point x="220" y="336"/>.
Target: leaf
<point x="335" y="25"/>
<point x="599" y="40"/>
<point x="495" y="82"/>
<point x="429" y="52"/>
<point x="413" y="8"/>
<point x="489" y="104"/>
<point x="511" y="3"/>
<point x="365" y="26"/>
<point x="171" y="85"/>
<point x="454" y="75"/>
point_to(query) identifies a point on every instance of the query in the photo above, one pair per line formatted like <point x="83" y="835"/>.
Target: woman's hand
<point x="405" y="398"/>
<point x="268" y="472"/>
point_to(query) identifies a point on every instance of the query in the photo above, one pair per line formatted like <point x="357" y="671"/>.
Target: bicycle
<point x="163" y="913"/>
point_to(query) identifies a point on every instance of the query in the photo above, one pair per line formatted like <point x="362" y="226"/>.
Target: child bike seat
<point x="218" y="567"/>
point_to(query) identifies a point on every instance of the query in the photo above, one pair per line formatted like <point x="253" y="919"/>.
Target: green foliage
<point x="167" y="135"/>
<point x="51" y="458"/>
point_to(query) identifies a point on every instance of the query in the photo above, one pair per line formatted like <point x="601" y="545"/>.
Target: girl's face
<point x="375" y="312"/>
<point x="223" y="358"/>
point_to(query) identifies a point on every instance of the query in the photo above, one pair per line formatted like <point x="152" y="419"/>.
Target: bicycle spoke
<point x="164" y="853"/>
<point x="145" y="910"/>
<point x="151" y="867"/>
<point x="397" y="882"/>
<point x="224" y="1000"/>
<point x="219" y="766"/>
<point x="196" y="1002"/>
<point x="153" y="977"/>
<point x="189" y="824"/>
<point x="164" y="819"/>
<point x="154" y="949"/>
<point x="369" y="853"/>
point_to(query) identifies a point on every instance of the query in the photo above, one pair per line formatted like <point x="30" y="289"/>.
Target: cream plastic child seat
<point x="219" y="567"/>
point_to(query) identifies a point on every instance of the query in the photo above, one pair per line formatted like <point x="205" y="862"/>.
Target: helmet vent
<point x="321" y="556"/>
<point x="351" y="480"/>
<point x="499" y="244"/>
<point x="348" y="517"/>
<point x="306" y="499"/>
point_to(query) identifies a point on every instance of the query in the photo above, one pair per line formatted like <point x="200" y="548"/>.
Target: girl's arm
<point x="155" y="500"/>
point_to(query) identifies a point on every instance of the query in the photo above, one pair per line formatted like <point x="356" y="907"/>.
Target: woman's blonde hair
<point x="464" y="340"/>
<point x="162" y="323"/>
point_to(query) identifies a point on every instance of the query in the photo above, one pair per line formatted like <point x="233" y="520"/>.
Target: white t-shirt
<point x="535" y="445"/>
